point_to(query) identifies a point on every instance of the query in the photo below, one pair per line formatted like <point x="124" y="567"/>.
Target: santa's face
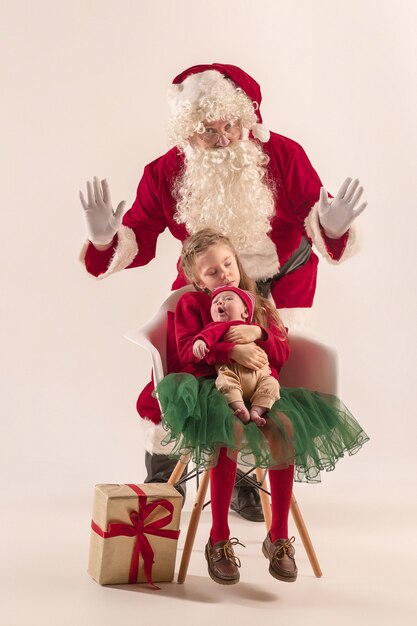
<point x="216" y="267"/>
<point x="227" y="307"/>
<point x="218" y="134"/>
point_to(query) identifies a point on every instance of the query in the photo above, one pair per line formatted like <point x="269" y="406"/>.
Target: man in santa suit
<point x="226" y="171"/>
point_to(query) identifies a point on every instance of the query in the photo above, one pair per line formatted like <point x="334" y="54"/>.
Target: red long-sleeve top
<point x="193" y="321"/>
<point x="192" y="316"/>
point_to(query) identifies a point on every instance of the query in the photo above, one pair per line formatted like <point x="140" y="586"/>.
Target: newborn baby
<point x="232" y="306"/>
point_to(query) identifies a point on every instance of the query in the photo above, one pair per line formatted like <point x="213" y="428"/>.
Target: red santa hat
<point x="208" y="90"/>
<point x="247" y="297"/>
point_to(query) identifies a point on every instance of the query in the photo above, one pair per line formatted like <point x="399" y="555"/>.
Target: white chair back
<point x="312" y="365"/>
<point x="152" y="336"/>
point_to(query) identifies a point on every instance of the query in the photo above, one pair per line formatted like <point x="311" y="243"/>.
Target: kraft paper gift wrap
<point x="134" y="533"/>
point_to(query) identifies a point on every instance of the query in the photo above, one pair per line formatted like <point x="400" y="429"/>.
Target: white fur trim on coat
<point x="153" y="435"/>
<point x="297" y="319"/>
<point x="312" y="226"/>
<point x="127" y="249"/>
<point x="260" y="262"/>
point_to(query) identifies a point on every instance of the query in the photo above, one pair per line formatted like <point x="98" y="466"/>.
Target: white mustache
<point x="223" y="188"/>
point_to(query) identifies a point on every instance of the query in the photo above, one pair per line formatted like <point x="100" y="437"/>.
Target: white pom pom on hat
<point x="194" y="82"/>
<point x="260" y="132"/>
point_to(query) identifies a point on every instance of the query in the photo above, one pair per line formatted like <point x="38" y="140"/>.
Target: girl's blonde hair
<point x="264" y="312"/>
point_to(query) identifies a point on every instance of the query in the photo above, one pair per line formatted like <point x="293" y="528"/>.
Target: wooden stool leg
<point x="265" y="500"/>
<point x="192" y="526"/>
<point x="179" y="469"/>
<point x="305" y="537"/>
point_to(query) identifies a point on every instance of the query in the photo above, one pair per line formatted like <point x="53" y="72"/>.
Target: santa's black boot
<point x="246" y="500"/>
<point x="159" y="468"/>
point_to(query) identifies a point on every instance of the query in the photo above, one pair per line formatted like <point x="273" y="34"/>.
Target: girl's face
<point x="216" y="267"/>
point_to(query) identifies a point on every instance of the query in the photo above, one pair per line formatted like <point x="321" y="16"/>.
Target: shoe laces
<point x="284" y="549"/>
<point x="229" y="552"/>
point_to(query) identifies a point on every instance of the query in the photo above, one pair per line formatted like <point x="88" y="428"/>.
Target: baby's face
<point x="228" y="306"/>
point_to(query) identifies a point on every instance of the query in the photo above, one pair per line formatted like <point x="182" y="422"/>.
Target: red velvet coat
<point x="297" y="191"/>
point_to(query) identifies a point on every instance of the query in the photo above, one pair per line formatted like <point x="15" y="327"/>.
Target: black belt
<point x="298" y="258"/>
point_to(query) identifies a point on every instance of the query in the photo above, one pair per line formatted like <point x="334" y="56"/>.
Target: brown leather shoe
<point x="281" y="558"/>
<point x="223" y="564"/>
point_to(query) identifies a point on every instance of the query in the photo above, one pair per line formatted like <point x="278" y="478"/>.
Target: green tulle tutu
<point x="310" y="429"/>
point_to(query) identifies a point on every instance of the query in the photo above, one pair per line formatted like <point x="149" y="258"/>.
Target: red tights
<point x="280" y="481"/>
<point x="222" y="480"/>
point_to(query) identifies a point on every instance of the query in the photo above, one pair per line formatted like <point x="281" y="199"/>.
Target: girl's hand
<point x="200" y="349"/>
<point x="243" y="334"/>
<point x="249" y="355"/>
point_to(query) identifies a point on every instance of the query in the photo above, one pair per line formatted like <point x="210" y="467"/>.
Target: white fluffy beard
<point x="226" y="189"/>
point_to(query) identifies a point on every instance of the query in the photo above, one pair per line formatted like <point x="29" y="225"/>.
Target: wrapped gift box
<point x="134" y="533"/>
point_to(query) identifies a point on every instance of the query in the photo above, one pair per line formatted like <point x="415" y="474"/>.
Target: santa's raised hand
<point x="102" y="222"/>
<point x="337" y="214"/>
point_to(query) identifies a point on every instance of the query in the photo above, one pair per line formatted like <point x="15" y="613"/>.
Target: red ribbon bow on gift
<point x="138" y="529"/>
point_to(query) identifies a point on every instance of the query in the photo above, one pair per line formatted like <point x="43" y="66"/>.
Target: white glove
<point x="101" y="221"/>
<point x="337" y="214"/>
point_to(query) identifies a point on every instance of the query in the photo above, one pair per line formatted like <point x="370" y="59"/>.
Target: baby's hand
<point x="200" y="349"/>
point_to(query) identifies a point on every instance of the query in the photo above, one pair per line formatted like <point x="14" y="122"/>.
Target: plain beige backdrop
<point x="84" y="93"/>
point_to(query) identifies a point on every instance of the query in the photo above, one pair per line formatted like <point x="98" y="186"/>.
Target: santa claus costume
<point x="281" y="214"/>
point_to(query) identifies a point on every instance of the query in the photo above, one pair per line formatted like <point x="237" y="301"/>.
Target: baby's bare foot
<point x="240" y="410"/>
<point x="256" y="415"/>
<point x="243" y="415"/>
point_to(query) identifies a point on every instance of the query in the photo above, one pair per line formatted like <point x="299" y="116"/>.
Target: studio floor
<point x="369" y="569"/>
